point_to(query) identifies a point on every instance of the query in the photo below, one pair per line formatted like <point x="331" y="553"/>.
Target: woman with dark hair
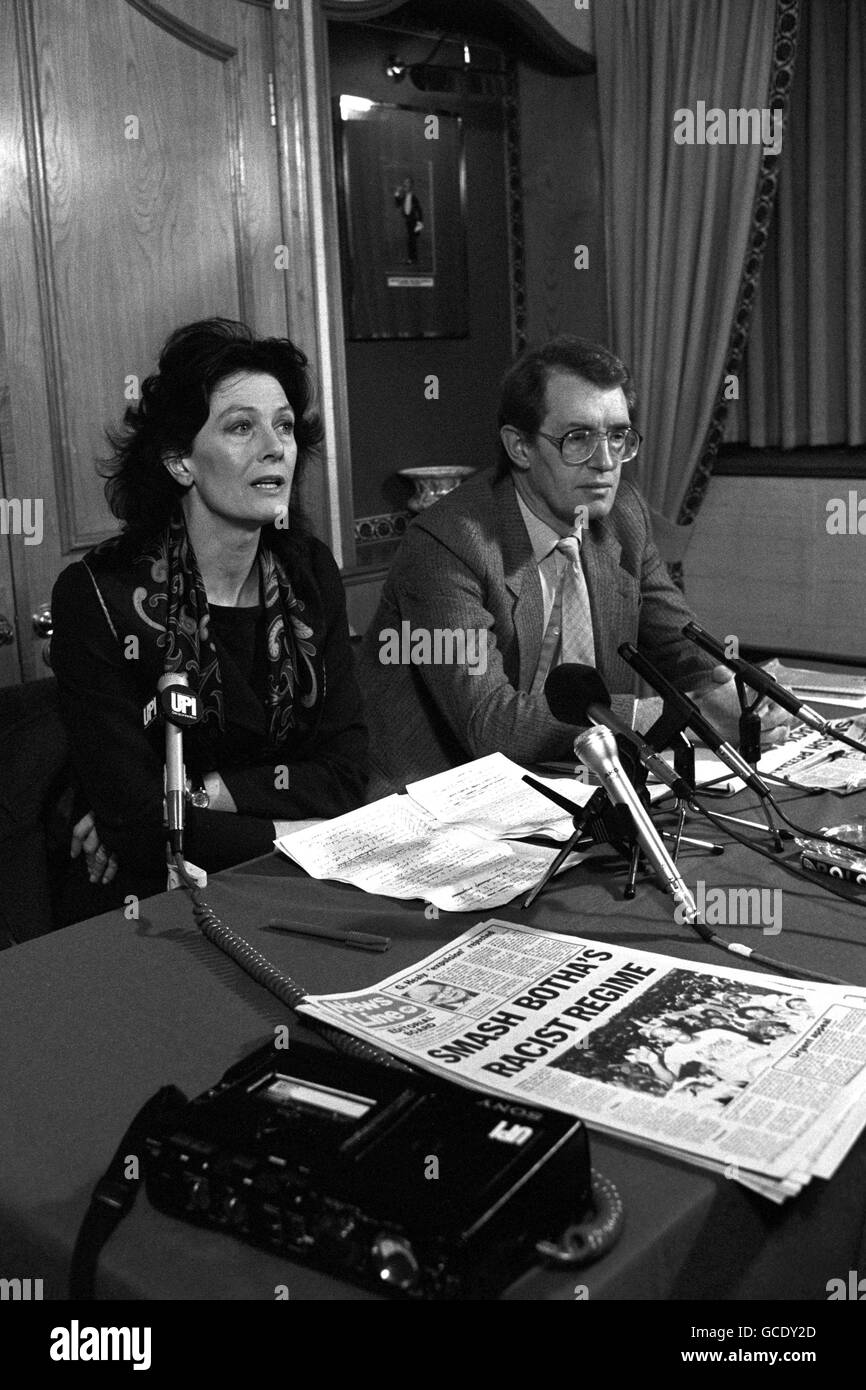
<point x="213" y="578"/>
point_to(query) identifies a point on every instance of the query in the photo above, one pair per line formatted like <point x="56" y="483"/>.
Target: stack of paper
<point x="450" y="840"/>
<point x="755" y="1077"/>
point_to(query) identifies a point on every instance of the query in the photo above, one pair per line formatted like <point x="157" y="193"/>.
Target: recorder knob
<point x="234" y="1210"/>
<point x="338" y="1236"/>
<point x="198" y="1195"/>
<point x="395" y="1262"/>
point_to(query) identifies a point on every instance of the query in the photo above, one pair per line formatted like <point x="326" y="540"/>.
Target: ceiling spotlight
<point x="395" y="69"/>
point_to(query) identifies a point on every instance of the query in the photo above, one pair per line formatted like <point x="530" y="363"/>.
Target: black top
<point x="119" y="765"/>
<point x="239" y="635"/>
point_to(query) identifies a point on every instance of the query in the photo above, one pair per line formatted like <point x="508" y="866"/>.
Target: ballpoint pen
<point x="361" y="940"/>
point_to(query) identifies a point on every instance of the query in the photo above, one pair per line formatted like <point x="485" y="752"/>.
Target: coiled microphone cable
<point x="265" y="973"/>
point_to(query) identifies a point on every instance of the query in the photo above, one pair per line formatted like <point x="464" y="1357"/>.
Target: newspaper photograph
<point x="739" y="1071"/>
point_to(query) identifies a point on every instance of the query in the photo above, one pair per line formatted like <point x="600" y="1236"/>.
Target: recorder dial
<point x="395" y="1262"/>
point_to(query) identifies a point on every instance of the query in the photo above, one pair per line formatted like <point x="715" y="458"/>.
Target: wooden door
<point x="145" y="167"/>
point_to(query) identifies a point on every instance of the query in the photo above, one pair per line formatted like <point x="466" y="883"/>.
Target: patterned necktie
<point x="577" y="641"/>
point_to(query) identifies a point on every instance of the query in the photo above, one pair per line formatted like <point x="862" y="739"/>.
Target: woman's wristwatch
<point x="197" y="793"/>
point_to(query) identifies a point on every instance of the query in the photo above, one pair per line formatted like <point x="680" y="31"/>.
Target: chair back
<point x="35" y="809"/>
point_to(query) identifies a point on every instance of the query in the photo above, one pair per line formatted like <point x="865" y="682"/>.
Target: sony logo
<point x="506" y="1108"/>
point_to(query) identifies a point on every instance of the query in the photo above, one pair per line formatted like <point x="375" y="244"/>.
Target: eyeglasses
<point x="579" y="445"/>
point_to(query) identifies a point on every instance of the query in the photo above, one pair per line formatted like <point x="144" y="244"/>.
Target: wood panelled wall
<point x="156" y="158"/>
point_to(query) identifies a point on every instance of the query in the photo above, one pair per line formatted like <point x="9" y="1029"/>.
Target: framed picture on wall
<point x="404" y="235"/>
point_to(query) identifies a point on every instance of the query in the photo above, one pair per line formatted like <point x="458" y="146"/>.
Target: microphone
<point x="577" y="695"/>
<point x="693" y="717"/>
<point x="596" y="749"/>
<point x="765" y="685"/>
<point x="180" y="709"/>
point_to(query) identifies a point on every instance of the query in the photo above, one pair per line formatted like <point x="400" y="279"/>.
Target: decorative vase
<point x="433" y="483"/>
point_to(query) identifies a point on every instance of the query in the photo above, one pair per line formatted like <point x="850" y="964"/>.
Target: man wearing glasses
<point x="548" y="558"/>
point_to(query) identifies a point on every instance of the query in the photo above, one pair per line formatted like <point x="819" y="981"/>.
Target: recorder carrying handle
<point x="115" y="1193"/>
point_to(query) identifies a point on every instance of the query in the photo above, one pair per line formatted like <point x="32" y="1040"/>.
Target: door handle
<point x="7" y="632"/>
<point x="43" y="625"/>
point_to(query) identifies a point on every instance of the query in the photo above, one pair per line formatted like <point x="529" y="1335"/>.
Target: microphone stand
<point x="684" y="766"/>
<point x="627" y="834"/>
<point x="750" y="749"/>
<point x="581" y="816"/>
<point x="637" y="775"/>
<point x="611" y="823"/>
<point x="668" y="731"/>
<point x="595" y="818"/>
<point x="615" y="826"/>
<point x="750" y="724"/>
<point x="692" y="717"/>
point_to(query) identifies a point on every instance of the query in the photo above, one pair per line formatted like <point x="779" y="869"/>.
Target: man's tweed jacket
<point x="467" y="564"/>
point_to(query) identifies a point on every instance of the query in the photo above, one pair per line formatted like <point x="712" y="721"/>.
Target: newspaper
<point x="447" y="841"/>
<point x="749" y="1075"/>
<point x="820" y="762"/>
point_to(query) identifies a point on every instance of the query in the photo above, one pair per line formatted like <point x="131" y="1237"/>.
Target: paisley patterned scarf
<point x="169" y="597"/>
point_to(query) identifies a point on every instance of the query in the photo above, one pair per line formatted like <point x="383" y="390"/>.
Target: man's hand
<point x="721" y="706"/>
<point x="101" y="866"/>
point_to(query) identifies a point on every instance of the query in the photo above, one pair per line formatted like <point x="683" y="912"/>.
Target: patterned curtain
<point x="686" y="214"/>
<point x="804" y="378"/>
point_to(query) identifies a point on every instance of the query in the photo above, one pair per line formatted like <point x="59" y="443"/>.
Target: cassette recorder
<point x="394" y="1180"/>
